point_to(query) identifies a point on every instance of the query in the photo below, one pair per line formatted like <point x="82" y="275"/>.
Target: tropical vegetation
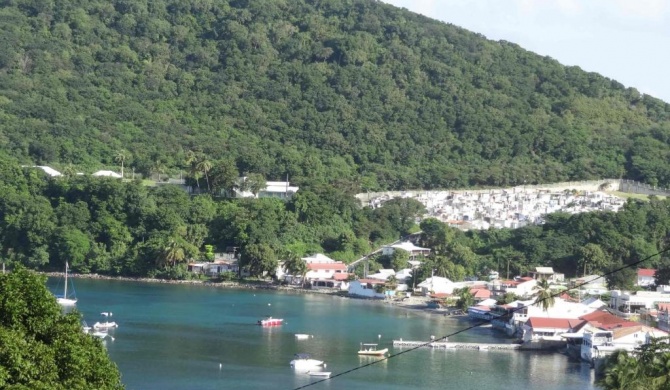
<point x="41" y="348"/>
<point x="355" y="93"/>
<point x="647" y="368"/>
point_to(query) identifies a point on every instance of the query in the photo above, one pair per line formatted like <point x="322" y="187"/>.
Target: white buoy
<point x="379" y="336"/>
<point x="269" y="304"/>
<point x="220" y="366"/>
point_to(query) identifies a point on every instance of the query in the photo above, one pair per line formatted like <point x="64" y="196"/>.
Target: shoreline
<point x="414" y="303"/>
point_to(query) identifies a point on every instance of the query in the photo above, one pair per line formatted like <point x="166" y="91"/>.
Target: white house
<point x="413" y="250"/>
<point x="545" y="333"/>
<point x="628" y="303"/>
<point x="600" y="343"/>
<point x="646" y="277"/>
<point x="273" y="189"/>
<point x="546" y="273"/>
<point x="523" y="287"/>
<point x="322" y="271"/>
<point x="104" y="173"/>
<point x="436" y="285"/>
<point x="366" y="288"/>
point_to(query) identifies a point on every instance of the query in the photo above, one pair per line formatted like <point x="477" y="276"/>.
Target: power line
<point x="476" y="325"/>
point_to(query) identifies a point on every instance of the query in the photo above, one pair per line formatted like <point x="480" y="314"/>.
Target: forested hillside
<point x="356" y="91"/>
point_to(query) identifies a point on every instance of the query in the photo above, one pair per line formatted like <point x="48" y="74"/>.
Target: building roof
<point x="327" y="266"/>
<point x="370" y="281"/>
<point x="49" y="171"/>
<point x="108" y="174"/>
<point x="279" y="186"/>
<point x="664" y="306"/>
<point x="318" y="258"/>
<point x="341" y="276"/>
<point x="600" y="318"/>
<point x="625" y="331"/>
<point x="408" y="246"/>
<point x="561" y="323"/>
<point x="480" y="293"/>
<point x="544" y="270"/>
<point x="646" y="272"/>
<point x="435" y="281"/>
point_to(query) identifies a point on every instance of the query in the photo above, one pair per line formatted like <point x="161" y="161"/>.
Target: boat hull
<point x="105" y="325"/>
<point x="271" y="322"/>
<point x="66" y="301"/>
<point x="306" y="363"/>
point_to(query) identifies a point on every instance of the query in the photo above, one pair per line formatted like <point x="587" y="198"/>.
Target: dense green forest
<point x="352" y="92"/>
<point x="109" y="226"/>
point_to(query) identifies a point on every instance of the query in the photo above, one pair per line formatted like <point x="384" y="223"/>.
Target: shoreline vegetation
<point x="414" y="303"/>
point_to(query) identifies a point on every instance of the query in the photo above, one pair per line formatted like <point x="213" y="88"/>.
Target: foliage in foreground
<point x="40" y="348"/>
<point x="648" y="368"/>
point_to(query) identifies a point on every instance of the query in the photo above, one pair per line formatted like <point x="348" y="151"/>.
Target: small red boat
<point x="270" y="321"/>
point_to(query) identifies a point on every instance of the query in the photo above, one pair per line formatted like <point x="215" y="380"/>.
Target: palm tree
<point x="294" y="265"/>
<point x="204" y="166"/>
<point x="622" y="372"/>
<point x="391" y="282"/>
<point x="173" y="252"/>
<point x="120" y="157"/>
<point x="545" y="297"/>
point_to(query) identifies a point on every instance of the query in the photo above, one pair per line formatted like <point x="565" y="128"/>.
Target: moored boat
<point x="103" y="325"/>
<point x="66" y="300"/>
<point x="269" y="321"/>
<point x="305" y="361"/>
<point x="371" y="350"/>
<point x="303" y="336"/>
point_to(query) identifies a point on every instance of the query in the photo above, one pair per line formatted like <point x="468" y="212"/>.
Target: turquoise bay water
<point x="176" y="336"/>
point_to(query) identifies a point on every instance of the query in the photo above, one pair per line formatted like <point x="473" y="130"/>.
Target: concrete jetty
<point x="451" y="345"/>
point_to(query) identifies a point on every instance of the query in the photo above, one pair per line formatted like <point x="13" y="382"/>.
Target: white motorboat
<point x="104" y="325"/>
<point x="371" y="350"/>
<point x="303" y="336"/>
<point x="302" y="361"/>
<point x="65" y="300"/>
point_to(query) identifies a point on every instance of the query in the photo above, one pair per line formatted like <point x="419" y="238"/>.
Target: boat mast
<point x="65" y="292"/>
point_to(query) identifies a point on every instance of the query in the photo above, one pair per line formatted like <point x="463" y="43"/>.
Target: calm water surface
<point x="177" y="336"/>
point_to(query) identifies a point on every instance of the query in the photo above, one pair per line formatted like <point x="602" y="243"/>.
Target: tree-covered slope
<point x="357" y="90"/>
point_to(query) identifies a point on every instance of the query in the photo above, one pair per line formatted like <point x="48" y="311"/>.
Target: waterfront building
<point x="546" y="333"/>
<point x="601" y="343"/>
<point x="367" y="288"/>
<point x="626" y="304"/>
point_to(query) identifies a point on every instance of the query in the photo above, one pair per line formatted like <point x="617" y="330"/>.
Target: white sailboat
<point x="64" y="300"/>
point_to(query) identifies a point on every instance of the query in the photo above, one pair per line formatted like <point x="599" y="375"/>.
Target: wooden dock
<point x="450" y="345"/>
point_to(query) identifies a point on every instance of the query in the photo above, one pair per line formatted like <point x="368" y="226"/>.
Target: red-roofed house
<point x="327" y="275"/>
<point x="480" y="294"/>
<point x="545" y="333"/>
<point x="646" y="277"/>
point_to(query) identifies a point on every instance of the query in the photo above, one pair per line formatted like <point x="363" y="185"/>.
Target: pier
<point x="451" y="345"/>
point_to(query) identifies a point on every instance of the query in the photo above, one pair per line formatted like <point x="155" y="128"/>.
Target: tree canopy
<point x="42" y="348"/>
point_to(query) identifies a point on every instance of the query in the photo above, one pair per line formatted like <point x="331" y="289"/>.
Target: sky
<point x="625" y="40"/>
